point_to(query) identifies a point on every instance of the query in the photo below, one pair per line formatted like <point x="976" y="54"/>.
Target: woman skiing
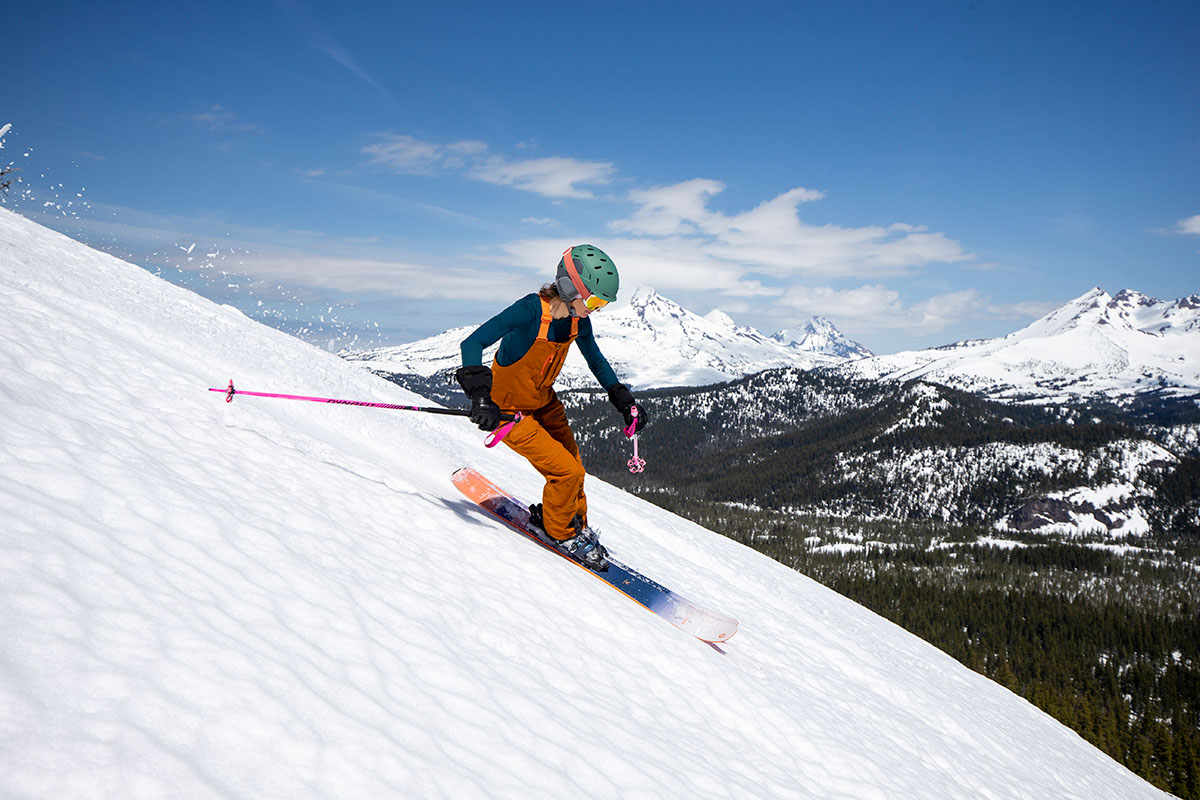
<point x="535" y="334"/>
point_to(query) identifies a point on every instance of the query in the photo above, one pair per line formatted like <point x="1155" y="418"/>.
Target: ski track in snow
<point x="284" y="599"/>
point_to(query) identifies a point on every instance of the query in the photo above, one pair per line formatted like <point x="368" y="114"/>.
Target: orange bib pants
<point x="543" y="435"/>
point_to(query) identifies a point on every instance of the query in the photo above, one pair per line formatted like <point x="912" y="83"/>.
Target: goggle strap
<point x="573" y="274"/>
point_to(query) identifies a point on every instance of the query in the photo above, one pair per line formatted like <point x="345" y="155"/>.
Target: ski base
<point x="676" y="609"/>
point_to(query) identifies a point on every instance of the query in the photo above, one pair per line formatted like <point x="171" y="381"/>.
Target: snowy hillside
<point x="651" y="341"/>
<point x="1095" y="345"/>
<point x="274" y="599"/>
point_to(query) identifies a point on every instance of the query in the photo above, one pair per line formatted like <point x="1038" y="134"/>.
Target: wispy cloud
<point x="396" y="277"/>
<point x="553" y="177"/>
<point x="1188" y="227"/>
<point x="218" y="118"/>
<point x="323" y="42"/>
<point x="1030" y="309"/>
<point x="297" y="258"/>
<point x="549" y="177"/>
<point x="342" y="57"/>
<point x="410" y="155"/>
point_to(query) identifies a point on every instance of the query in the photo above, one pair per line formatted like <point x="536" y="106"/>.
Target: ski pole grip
<point x="632" y="429"/>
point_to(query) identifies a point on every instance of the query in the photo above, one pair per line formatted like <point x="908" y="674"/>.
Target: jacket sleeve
<point x="513" y="318"/>
<point x="595" y="359"/>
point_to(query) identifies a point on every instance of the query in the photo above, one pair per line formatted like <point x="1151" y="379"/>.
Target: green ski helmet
<point x="586" y="270"/>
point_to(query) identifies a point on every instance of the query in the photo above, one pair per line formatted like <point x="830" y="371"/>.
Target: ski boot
<point x="583" y="547"/>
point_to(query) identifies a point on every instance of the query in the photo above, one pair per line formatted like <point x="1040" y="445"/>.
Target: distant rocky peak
<point x="819" y="335"/>
<point x="1192" y="301"/>
<point x="646" y="296"/>
<point x="1129" y="297"/>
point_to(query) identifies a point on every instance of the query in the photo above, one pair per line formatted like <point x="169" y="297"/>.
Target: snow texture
<point x="279" y="599"/>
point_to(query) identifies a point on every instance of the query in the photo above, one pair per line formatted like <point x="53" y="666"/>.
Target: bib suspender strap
<point x="547" y="318"/>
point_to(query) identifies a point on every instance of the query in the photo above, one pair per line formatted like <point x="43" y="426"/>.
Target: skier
<point x="535" y="334"/>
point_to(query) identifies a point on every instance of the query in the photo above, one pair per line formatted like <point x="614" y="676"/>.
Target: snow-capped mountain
<point x="819" y="335"/>
<point x="1096" y="344"/>
<point x="650" y="341"/>
<point x="278" y="599"/>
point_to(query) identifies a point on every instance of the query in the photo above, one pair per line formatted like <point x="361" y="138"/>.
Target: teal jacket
<point x="516" y="328"/>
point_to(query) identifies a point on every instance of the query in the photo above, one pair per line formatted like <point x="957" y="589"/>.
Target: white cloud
<point x="771" y="239"/>
<point x="875" y="307"/>
<point x="670" y="210"/>
<point x="1189" y="226"/>
<point x="550" y="177"/>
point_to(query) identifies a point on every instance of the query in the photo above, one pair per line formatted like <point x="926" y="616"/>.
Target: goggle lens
<point x="595" y="303"/>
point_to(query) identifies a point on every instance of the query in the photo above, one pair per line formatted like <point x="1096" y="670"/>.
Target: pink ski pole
<point x="637" y="463"/>
<point x="492" y="440"/>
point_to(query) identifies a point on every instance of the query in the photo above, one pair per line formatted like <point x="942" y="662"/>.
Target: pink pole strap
<point x="495" y="437"/>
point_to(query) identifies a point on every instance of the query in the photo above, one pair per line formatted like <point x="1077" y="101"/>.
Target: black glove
<point x="477" y="383"/>
<point x="620" y="396"/>
<point x="484" y="413"/>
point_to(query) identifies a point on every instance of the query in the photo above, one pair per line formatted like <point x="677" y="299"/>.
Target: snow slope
<point x="273" y="599"/>
<point x="651" y="341"/>
<point x="1097" y="344"/>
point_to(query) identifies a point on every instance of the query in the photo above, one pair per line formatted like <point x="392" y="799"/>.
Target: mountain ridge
<point x="1098" y="344"/>
<point x="686" y="349"/>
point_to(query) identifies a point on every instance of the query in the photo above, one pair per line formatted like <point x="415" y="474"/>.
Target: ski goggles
<point x="594" y="303"/>
<point x="570" y="285"/>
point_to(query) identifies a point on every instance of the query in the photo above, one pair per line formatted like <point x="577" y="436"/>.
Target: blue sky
<point x="916" y="172"/>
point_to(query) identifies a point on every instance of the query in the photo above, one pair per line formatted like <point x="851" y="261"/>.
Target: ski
<point x="678" y="610"/>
